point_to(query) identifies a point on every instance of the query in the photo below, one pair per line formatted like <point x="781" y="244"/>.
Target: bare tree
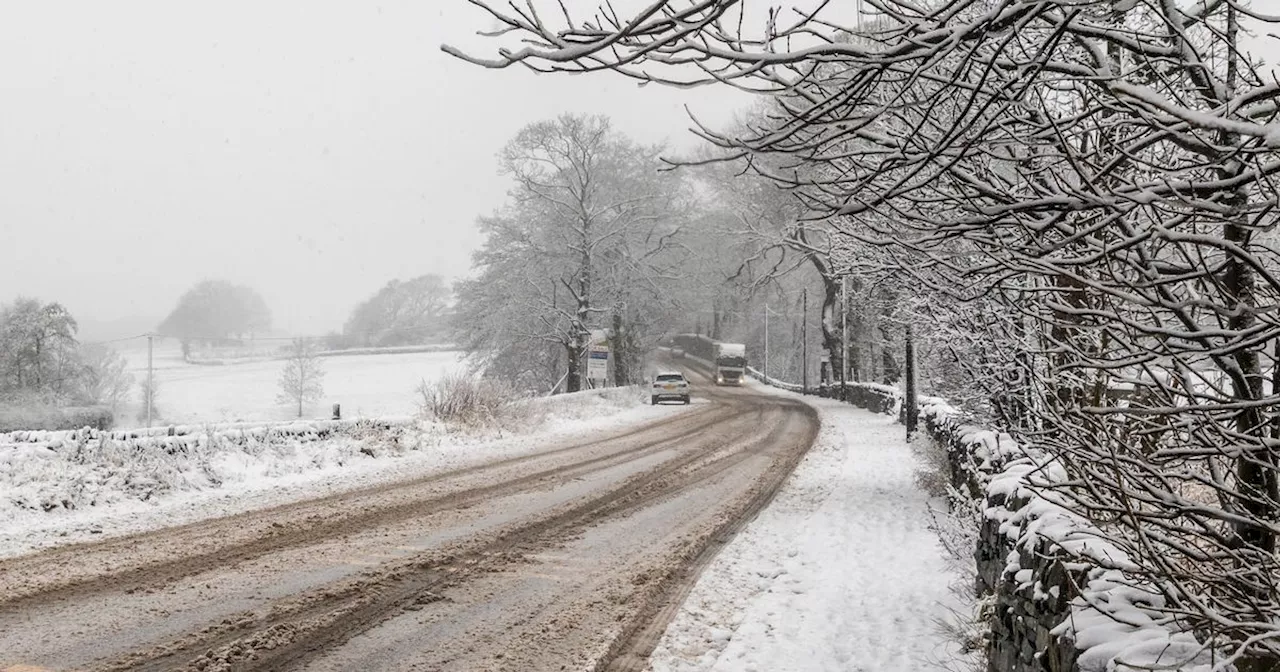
<point x="585" y="235"/>
<point x="302" y="379"/>
<point x="148" y="392"/>
<point x="1093" y="177"/>
<point x="104" y="379"/>
<point x="38" y="349"/>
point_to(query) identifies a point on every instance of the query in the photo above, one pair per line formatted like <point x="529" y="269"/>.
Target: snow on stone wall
<point x="1063" y="601"/>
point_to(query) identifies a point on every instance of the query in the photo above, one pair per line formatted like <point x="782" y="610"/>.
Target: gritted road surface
<point x="572" y="558"/>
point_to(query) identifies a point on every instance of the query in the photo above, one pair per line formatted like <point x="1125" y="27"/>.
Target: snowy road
<point x="573" y="557"/>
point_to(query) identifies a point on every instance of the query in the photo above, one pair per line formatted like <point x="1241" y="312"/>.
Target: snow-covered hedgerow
<point x="47" y="471"/>
<point x="58" y="471"/>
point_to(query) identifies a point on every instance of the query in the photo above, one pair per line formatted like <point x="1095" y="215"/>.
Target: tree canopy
<point x="38" y="348"/>
<point x="216" y="310"/>
<point x="403" y="312"/>
<point x="586" y="241"/>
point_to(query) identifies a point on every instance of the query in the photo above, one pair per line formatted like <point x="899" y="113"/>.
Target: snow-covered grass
<point x="122" y="486"/>
<point x="840" y="572"/>
<point x="366" y="385"/>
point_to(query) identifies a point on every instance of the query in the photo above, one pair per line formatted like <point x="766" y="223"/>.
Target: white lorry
<point x="731" y="363"/>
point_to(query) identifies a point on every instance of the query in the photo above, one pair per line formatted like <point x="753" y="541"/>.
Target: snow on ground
<point x="840" y="572"/>
<point x="367" y="385"/>
<point x="231" y="478"/>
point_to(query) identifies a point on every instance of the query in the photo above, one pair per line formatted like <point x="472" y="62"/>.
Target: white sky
<point x="313" y="150"/>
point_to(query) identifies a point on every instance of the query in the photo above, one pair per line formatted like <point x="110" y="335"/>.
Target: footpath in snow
<point x="841" y="572"/>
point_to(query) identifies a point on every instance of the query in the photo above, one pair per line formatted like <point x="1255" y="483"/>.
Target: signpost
<point x="598" y="359"/>
<point x="598" y="365"/>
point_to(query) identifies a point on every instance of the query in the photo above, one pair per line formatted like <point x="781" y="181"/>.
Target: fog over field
<point x="675" y="335"/>
<point x="310" y="150"/>
<point x="366" y="386"/>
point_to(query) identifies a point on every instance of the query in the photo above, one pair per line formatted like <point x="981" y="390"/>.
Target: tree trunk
<point x="1256" y="465"/>
<point x="621" y="374"/>
<point x="573" y="382"/>
<point x="830" y="325"/>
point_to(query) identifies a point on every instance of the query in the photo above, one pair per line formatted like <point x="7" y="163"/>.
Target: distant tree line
<point x="403" y="312"/>
<point x="217" y="313"/>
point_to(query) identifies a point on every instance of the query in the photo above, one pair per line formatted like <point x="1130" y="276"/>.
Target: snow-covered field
<point x="120" y="489"/>
<point x="840" y="572"/>
<point x="367" y="385"/>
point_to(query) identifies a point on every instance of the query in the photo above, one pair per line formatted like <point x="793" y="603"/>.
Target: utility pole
<point x="844" y="337"/>
<point x="912" y="405"/>
<point x="151" y="380"/>
<point x="555" y="317"/>
<point x="804" y="339"/>
<point x="766" y="342"/>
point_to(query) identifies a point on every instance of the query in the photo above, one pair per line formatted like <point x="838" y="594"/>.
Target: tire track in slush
<point x="300" y="627"/>
<point x="736" y="434"/>
<point x="313" y="528"/>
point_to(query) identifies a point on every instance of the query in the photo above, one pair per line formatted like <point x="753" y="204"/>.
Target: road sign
<point x="598" y="363"/>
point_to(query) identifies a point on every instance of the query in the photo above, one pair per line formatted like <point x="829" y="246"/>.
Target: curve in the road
<point x="740" y="448"/>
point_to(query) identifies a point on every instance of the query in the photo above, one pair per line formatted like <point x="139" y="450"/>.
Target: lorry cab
<point x="731" y="363"/>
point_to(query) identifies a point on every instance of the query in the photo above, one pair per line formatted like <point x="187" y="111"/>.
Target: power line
<point x="116" y="340"/>
<point x="344" y="334"/>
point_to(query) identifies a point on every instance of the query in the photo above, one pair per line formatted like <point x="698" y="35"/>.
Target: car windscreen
<point x="731" y="360"/>
<point x="670" y="378"/>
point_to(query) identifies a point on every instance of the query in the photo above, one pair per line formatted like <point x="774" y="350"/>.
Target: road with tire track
<point x="573" y="557"/>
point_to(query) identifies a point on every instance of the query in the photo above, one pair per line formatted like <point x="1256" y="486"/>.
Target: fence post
<point x="844" y="337"/>
<point x="912" y="408"/>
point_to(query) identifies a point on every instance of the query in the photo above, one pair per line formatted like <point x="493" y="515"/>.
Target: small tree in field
<point x="148" y="391"/>
<point x="303" y="378"/>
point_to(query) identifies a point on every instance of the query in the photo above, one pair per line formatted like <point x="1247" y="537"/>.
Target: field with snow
<point x="367" y="385"/>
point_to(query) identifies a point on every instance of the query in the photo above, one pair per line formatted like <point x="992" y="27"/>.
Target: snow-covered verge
<point x="63" y="487"/>
<point x="1053" y="574"/>
<point x="840" y="572"/>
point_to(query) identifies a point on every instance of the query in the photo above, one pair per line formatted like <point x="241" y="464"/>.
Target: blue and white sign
<point x="598" y="363"/>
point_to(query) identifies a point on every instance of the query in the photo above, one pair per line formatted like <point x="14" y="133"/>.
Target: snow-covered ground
<point x="840" y="572"/>
<point x="224" y="477"/>
<point x="367" y="385"/>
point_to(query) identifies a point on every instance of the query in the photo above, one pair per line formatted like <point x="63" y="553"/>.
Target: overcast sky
<point x="312" y="150"/>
